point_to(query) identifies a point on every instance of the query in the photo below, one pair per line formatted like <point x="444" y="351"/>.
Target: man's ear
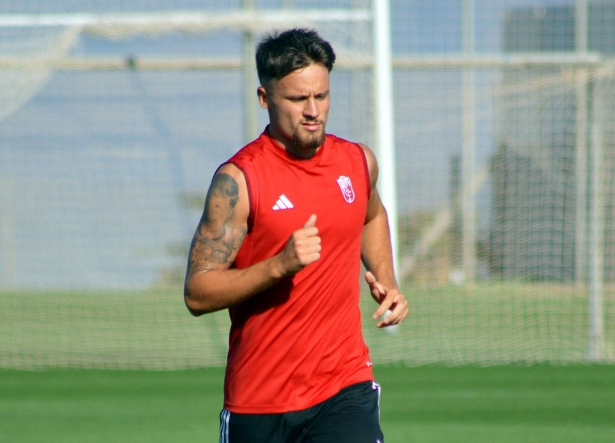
<point x="261" y="92"/>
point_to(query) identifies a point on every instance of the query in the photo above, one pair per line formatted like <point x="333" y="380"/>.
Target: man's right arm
<point x="210" y="284"/>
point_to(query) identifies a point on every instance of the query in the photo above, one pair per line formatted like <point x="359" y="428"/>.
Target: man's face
<point x="298" y="106"/>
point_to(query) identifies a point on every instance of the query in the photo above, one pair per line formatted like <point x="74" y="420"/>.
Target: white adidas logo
<point x="282" y="203"/>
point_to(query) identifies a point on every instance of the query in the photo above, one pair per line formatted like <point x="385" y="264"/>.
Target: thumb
<point x="369" y="278"/>
<point x="373" y="283"/>
<point x="311" y="221"/>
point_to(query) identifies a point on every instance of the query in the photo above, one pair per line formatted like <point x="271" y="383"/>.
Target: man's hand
<point x="303" y="248"/>
<point x="389" y="299"/>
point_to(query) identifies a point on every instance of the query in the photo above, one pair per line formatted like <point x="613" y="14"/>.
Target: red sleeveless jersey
<point x="299" y="342"/>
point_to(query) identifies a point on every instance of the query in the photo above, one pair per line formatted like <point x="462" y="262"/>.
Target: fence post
<point x="468" y="155"/>
<point x="384" y="117"/>
<point x="596" y="230"/>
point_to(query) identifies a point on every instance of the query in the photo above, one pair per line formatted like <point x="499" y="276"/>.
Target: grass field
<point x="494" y="323"/>
<point x="469" y="404"/>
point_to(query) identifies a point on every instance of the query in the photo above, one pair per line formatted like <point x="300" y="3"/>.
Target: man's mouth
<point x="311" y="126"/>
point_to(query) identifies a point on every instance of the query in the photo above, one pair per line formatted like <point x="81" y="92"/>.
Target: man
<point x="286" y="223"/>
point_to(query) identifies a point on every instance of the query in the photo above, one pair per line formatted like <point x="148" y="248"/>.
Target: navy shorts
<point x="351" y="416"/>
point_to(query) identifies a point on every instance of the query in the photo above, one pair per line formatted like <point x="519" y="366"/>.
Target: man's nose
<point x="311" y="108"/>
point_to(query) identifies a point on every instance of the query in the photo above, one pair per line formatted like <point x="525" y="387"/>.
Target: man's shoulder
<point x="354" y="148"/>
<point x="340" y="141"/>
<point x="250" y="151"/>
<point x="336" y="139"/>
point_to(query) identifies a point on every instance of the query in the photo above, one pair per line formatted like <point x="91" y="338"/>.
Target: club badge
<point x="346" y="187"/>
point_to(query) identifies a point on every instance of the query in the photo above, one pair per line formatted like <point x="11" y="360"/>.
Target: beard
<point x="310" y="142"/>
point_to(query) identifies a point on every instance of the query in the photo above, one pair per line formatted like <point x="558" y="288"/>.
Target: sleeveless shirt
<point x="300" y="342"/>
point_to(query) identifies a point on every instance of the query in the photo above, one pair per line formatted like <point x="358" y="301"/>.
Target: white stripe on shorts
<point x="225" y="416"/>
<point x="376" y="386"/>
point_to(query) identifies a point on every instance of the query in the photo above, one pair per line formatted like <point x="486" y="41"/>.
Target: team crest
<point x="346" y="187"/>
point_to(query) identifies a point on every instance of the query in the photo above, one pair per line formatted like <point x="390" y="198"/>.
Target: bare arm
<point x="377" y="256"/>
<point x="210" y="284"/>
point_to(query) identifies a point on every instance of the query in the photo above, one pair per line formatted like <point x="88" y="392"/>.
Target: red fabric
<point x="300" y="342"/>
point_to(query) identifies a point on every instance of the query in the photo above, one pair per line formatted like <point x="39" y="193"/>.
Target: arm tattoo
<point x="217" y="238"/>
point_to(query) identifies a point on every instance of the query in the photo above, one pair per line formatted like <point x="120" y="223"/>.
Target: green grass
<point x="472" y="404"/>
<point x="492" y="323"/>
<point x="499" y="404"/>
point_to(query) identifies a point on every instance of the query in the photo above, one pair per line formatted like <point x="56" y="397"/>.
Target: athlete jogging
<point x="286" y="223"/>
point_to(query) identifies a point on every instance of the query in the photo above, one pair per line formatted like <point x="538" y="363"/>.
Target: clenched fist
<point x="302" y="248"/>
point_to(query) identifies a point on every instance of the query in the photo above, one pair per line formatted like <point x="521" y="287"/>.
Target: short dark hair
<point x="279" y="54"/>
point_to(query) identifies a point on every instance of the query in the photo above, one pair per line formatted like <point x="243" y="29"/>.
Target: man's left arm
<point x="377" y="255"/>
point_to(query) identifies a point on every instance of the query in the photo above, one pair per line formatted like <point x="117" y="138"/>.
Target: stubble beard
<point x="308" y="143"/>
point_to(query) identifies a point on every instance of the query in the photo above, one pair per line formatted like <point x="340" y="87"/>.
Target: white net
<point x="114" y="116"/>
<point x="534" y="123"/>
<point x="29" y="55"/>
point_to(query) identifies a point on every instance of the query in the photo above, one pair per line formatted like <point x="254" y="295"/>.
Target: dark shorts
<point x="351" y="416"/>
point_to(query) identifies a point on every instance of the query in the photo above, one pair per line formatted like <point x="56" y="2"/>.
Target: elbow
<point x="202" y="295"/>
<point x="194" y="304"/>
<point x="194" y="311"/>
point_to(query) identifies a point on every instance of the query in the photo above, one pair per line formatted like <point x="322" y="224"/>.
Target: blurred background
<point x="497" y="170"/>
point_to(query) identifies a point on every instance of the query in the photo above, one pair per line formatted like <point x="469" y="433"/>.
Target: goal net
<point x="505" y="159"/>
<point x="114" y="116"/>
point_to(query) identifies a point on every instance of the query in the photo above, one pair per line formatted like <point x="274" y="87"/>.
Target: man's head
<point x="279" y="54"/>
<point x="293" y="68"/>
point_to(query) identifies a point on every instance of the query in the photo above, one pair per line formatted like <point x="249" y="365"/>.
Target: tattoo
<point x="217" y="238"/>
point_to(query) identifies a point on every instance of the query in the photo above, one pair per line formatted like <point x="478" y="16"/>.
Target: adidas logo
<point x="282" y="203"/>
